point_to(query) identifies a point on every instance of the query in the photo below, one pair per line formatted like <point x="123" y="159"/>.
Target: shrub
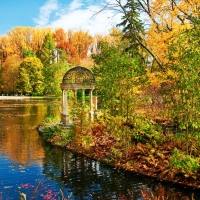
<point x="49" y="121"/>
<point x="184" y="163"/>
<point x="145" y="131"/>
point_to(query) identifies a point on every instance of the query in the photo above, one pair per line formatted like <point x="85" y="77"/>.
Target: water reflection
<point x="85" y="178"/>
<point x="42" y="171"/>
<point x="19" y="138"/>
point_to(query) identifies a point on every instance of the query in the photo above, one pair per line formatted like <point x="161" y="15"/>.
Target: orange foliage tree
<point x="81" y="41"/>
<point x="10" y="71"/>
<point x="72" y="55"/>
<point x="59" y="35"/>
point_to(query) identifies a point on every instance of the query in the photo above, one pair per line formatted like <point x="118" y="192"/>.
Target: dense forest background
<point x="34" y="60"/>
<point x="161" y="36"/>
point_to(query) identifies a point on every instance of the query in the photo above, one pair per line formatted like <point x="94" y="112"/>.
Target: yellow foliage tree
<point x="81" y="41"/>
<point x="167" y="19"/>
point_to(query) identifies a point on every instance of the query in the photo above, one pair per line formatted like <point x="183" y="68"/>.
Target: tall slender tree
<point x="47" y="56"/>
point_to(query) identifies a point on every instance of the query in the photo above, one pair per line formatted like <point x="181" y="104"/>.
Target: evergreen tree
<point x="55" y="66"/>
<point x="47" y="57"/>
<point x="47" y="53"/>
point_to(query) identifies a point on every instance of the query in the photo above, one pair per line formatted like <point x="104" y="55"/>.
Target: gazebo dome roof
<point x="78" y="78"/>
<point x="79" y="75"/>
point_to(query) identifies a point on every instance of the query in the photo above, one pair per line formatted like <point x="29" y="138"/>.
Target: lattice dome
<point x="79" y="75"/>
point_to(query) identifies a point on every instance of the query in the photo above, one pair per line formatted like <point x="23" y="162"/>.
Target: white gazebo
<point x="77" y="78"/>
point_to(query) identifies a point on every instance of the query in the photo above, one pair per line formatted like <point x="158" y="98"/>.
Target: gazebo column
<point x="65" y="113"/>
<point x="91" y="105"/>
<point x="66" y="103"/>
<point x="83" y="97"/>
<point x="95" y="103"/>
<point x="63" y="102"/>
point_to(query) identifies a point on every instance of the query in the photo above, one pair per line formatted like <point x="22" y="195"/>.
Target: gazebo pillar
<point x="83" y="97"/>
<point x="63" y="101"/>
<point x="91" y="105"/>
<point x="95" y="103"/>
<point x="65" y="113"/>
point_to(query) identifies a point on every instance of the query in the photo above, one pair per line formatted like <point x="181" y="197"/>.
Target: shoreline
<point x="23" y="97"/>
<point x="14" y="97"/>
<point x="136" y="167"/>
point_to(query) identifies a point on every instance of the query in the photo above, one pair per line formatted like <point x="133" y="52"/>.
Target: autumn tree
<point x="168" y="19"/>
<point x="5" y="47"/>
<point x="31" y="76"/>
<point x="81" y="41"/>
<point x="59" y="35"/>
<point x="19" y="39"/>
<point x="37" y="38"/>
<point x="10" y="71"/>
<point x="71" y="53"/>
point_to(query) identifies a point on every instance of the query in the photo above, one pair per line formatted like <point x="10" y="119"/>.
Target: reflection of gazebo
<point x="77" y="78"/>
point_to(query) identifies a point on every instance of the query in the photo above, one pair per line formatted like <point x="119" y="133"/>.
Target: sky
<point x="66" y="14"/>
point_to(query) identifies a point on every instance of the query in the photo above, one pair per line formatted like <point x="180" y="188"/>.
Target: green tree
<point x="30" y="76"/>
<point x="47" y="54"/>
<point x="185" y="93"/>
<point x="56" y="72"/>
<point x="118" y="78"/>
<point x="133" y="26"/>
<point x="28" y="53"/>
<point x="47" y="57"/>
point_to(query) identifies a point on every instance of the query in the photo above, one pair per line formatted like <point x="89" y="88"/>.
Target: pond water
<point x="38" y="170"/>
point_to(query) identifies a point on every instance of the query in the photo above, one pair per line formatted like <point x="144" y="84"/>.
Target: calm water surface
<point x="40" y="171"/>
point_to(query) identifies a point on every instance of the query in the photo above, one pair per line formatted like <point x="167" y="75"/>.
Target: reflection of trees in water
<point x="19" y="137"/>
<point x="88" y="179"/>
<point x="54" y="109"/>
<point x="52" y="161"/>
<point x="85" y="178"/>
